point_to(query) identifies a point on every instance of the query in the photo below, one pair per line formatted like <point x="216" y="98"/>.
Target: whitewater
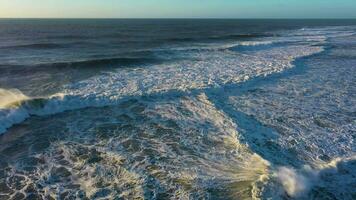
<point x="213" y="66"/>
<point x="268" y="116"/>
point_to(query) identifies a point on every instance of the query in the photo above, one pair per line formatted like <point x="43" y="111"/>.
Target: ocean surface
<point x="177" y="109"/>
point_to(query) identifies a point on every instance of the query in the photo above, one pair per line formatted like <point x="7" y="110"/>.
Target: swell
<point x="50" y="46"/>
<point x="91" y="63"/>
<point x="244" y="36"/>
<point x="210" y="70"/>
<point x="221" y="37"/>
<point x="222" y="46"/>
<point x="175" y="39"/>
<point x="71" y="37"/>
<point x="109" y="90"/>
<point x="35" y="46"/>
<point x="122" y="61"/>
<point x="146" y="57"/>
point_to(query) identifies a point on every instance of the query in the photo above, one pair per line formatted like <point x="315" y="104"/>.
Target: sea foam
<point x="204" y="69"/>
<point x="298" y="183"/>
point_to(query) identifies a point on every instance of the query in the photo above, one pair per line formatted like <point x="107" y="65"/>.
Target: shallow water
<point x="266" y="111"/>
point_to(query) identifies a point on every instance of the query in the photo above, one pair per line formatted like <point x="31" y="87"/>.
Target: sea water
<point x="177" y="109"/>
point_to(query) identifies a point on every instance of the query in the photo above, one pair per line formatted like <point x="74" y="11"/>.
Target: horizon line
<point x="226" y="18"/>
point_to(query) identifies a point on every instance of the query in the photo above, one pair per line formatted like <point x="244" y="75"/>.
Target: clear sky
<point x="178" y="8"/>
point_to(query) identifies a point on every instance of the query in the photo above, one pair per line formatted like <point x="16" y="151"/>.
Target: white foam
<point x="255" y="43"/>
<point x="218" y="46"/>
<point x="207" y="69"/>
<point x="177" y="133"/>
<point x="294" y="183"/>
<point x="10" y="113"/>
<point x="297" y="183"/>
<point x="9" y="97"/>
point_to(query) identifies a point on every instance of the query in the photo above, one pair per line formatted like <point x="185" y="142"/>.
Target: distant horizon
<point x="197" y="18"/>
<point x="177" y="9"/>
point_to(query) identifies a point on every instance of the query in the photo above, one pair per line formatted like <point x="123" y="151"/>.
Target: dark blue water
<point x="177" y="109"/>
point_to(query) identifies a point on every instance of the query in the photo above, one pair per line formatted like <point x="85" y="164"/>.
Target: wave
<point x="255" y="43"/>
<point x="219" y="46"/>
<point x="35" y="46"/>
<point x="15" y="107"/>
<point x="209" y="69"/>
<point x="243" y="36"/>
<point x="228" y="164"/>
<point x="214" y="69"/>
<point x="220" y="37"/>
<point x="183" y="39"/>
<point x="11" y="97"/>
<point x="70" y="37"/>
<point x="91" y="63"/>
<point x="335" y="175"/>
<point x="45" y="46"/>
<point x="122" y="61"/>
<point x="10" y="111"/>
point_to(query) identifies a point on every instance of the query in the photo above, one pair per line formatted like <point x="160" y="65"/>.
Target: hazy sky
<point x="178" y="8"/>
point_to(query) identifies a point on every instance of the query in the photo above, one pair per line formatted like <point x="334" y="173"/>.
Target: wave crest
<point x="337" y="175"/>
<point x="11" y="98"/>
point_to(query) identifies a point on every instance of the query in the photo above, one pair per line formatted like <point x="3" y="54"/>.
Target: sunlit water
<point x="177" y="110"/>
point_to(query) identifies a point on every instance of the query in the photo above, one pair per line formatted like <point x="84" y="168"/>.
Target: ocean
<point x="177" y="109"/>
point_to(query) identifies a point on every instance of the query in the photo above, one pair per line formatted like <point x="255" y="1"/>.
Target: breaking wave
<point x="206" y="70"/>
<point x="165" y="136"/>
<point x="142" y="148"/>
<point x="337" y="175"/>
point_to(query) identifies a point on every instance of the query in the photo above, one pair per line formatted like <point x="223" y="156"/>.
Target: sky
<point x="177" y="8"/>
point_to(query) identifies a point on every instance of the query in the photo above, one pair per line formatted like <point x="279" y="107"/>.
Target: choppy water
<point x="177" y="109"/>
